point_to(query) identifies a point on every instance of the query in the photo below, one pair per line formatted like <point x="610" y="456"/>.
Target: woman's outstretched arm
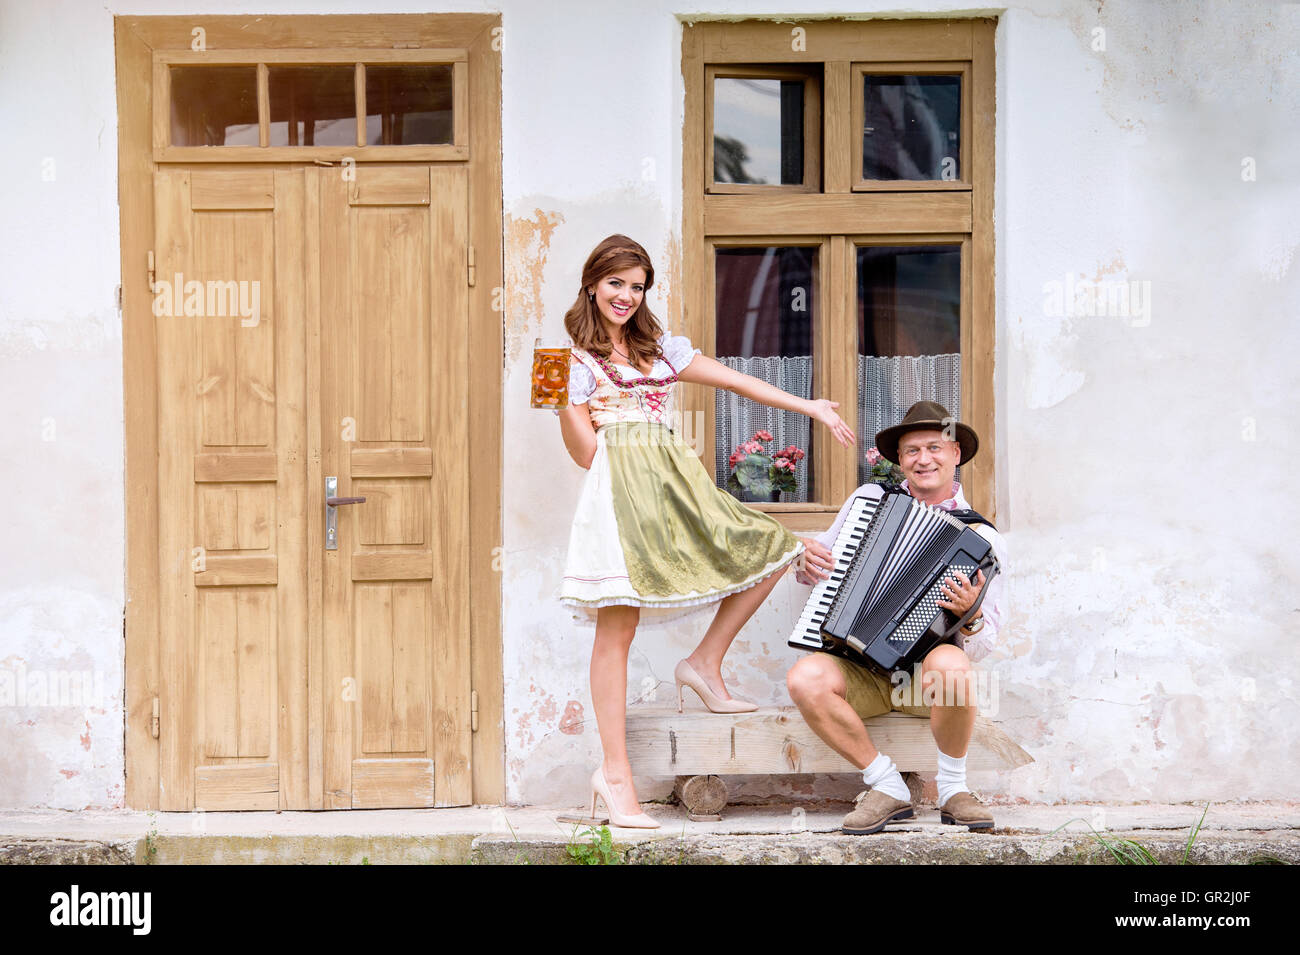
<point x="579" y="433"/>
<point x="704" y="370"/>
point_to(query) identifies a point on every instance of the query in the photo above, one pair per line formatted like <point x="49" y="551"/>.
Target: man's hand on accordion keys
<point x="814" y="564"/>
<point x="960" y="592"/>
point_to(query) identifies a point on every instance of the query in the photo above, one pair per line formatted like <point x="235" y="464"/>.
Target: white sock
<point x="951" y="778"/>
<point x="882" y="774"/>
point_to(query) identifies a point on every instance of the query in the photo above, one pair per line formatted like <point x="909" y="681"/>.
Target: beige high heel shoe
<point x="686" y="675"/>
<point x="601" y="788"/>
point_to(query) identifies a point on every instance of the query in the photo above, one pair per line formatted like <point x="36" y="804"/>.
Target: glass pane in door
<point x="313" y="105"/>
<point x="213" y="106"/>
<point x="409" y="105"/>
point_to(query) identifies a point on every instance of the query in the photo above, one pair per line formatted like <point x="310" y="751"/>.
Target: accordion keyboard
<point x="807" y="632"/>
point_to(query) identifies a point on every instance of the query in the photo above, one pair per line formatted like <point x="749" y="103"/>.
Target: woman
<point x="653" y="537"/>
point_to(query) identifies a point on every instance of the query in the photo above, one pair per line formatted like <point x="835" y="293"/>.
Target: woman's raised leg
<point x="615" y="628"/>
<point x="733" y="613"/>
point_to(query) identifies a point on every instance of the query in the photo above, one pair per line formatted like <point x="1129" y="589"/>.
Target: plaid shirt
<point x="993" y="608"/>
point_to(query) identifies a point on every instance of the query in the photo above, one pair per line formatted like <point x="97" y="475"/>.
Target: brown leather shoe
<point x="872" y="810"/>
<point x="965" y="809"/>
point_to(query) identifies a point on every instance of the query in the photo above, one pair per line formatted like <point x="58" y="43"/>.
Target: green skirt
<point x="652" y="530"/>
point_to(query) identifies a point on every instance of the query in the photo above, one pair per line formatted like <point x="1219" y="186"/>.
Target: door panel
<point x="233" y="593"/>
<point x="394" y="354"/>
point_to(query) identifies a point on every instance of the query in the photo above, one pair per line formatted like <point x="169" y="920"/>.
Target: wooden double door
<point x="312" y="338"/>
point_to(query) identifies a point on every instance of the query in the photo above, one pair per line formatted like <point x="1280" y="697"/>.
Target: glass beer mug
<point x="551" y="373"/>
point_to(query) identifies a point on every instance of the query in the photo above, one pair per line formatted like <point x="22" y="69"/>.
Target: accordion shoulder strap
<point x="968" y="516"/>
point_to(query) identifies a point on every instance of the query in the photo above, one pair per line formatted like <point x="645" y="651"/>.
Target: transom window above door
<point x="295" y="105"/>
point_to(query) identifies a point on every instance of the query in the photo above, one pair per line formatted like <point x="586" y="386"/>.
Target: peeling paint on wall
<point x="527" y="246"/>
<point x="571" y="722"/>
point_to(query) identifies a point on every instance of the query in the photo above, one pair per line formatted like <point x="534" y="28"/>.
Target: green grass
<point x="593" y="847"/>
<point x="1127" y="851"/>
<point x="1131" y="852"/>
<point x="1195" y="830"/>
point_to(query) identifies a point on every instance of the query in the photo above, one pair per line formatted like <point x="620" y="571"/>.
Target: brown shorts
<point x="871" y="693"/>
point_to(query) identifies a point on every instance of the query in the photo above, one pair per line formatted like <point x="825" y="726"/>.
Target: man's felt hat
<point x="928" y="416"/>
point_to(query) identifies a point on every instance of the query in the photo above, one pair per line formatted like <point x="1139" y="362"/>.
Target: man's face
<point x="928" y="460"/>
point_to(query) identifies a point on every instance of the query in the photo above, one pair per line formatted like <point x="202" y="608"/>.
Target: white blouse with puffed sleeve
<point x="677" y="350"/>
<point x="581" y="382"/>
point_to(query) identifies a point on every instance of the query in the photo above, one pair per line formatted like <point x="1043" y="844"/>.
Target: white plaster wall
<point x="1149" y="576"/>
<point x="1149" y="582"/>
<point x="61" y="445"/>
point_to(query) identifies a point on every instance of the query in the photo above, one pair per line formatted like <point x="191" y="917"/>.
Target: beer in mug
<point x="551" y="373"/>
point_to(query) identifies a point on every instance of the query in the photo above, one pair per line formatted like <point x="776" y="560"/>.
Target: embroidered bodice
<point x="618" y="392"/>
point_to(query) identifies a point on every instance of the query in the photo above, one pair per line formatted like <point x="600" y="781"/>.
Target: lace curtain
<point x="887" y="387"/>
<point x="738" y="418"/>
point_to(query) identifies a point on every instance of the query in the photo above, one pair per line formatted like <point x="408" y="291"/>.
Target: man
<point x="835" y="694"/>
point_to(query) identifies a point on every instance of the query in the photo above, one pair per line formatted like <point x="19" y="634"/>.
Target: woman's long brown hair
<point x="582" y="320"/>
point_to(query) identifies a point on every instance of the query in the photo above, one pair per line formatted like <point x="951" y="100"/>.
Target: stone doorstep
<point x="890" y="847"/>
<point x="1232" y="833"/>
<point x="893" y="848"/>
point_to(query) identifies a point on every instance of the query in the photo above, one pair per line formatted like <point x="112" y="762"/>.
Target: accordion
<point x="879" y="606"/>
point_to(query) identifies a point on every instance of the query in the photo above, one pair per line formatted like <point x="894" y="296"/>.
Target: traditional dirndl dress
<point x="651" y="529"/>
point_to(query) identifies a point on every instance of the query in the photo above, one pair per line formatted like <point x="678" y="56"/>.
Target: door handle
<point x="332" y="504"/>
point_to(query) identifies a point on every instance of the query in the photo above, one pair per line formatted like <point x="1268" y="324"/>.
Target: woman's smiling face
<point x="619" y="294"/>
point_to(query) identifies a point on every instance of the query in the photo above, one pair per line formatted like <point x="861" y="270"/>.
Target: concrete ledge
<point x="811" y="848"/>
<point x="318" y="849"/>
<point x="1233" y="833"/>
<point x="64" y="852"/>
<point x="911" y="848"/>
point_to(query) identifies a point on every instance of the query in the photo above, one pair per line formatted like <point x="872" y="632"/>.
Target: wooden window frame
<point x="812" y="128"/>
<point x="357" y="58"/>
<point x="847" y="212"/>
<point x="964" y="148"/>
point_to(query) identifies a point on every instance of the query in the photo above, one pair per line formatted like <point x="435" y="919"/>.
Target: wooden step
<point x="663" y="742"/>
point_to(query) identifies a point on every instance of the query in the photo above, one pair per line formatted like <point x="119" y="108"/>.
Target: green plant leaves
<point x="754" y="474"/>
<point x="597" y="849"/>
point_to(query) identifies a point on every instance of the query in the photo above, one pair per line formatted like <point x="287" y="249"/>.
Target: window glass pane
<point x="766" y="302"/>
<point x="758" y="130"/>
<point x="909" y="334"/>
<point x="408" y="105"/>
<point x="313" y="105"/>
<point x="911" y="126"/>
<point x="214" y="105"/>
